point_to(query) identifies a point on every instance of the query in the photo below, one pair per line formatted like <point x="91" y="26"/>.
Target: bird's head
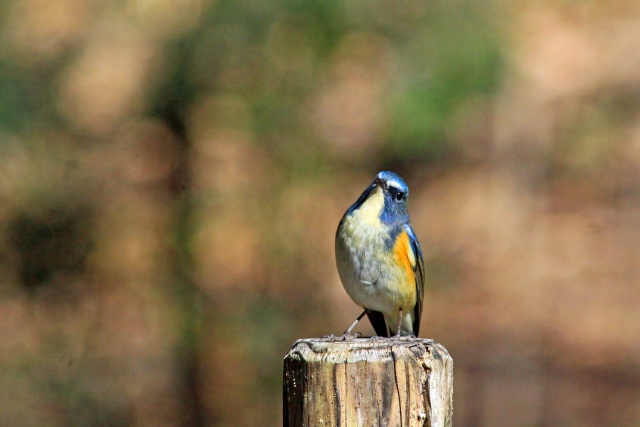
<point x="385" y="198"/>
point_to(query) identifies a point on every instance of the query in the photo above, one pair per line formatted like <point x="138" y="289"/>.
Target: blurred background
<point x="172" y="173"/>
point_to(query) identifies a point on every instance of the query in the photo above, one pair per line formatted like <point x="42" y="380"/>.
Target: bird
<point x="379" y="258"/>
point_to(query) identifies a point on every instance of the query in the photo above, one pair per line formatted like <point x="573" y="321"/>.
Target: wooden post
<point x="368" y="382"/>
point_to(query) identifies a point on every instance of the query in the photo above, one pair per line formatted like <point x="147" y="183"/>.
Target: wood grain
<point x="339" y="381"/>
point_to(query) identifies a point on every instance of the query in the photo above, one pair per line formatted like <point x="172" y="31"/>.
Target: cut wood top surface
<point x="340" y="349"/>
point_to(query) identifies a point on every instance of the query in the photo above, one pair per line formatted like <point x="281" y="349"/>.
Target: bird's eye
<point x="399" y="196"/>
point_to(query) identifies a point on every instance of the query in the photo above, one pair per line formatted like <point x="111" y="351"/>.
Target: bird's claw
<point x="345" y="336"/>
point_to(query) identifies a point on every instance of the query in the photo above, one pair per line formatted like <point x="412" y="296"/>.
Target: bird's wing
<point x="418" y="272"/>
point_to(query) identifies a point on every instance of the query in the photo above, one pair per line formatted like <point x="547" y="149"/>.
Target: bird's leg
<point x="353" y="325"/>
<point x="399" y="322"/>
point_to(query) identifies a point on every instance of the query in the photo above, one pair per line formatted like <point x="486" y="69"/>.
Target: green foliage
<point x="454" y="58"/>
<point x="15" y="110"/>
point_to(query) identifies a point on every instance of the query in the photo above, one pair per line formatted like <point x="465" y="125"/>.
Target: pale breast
<point x="367" y="266"/>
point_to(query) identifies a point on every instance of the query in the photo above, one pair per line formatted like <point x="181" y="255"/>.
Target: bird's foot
<point x="345" y="336"/>
<point x="348" y="335"/>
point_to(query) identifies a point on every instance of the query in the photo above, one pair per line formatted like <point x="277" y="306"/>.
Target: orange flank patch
<point x="401" y="251"/>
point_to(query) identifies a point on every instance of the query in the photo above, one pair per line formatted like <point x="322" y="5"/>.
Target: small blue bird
<point x="379" y="258"/>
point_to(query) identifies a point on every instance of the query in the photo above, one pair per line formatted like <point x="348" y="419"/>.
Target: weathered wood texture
<point x="368" y="382"/>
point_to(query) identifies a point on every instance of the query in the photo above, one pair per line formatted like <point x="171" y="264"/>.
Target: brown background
<point x="172" y="173"/>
